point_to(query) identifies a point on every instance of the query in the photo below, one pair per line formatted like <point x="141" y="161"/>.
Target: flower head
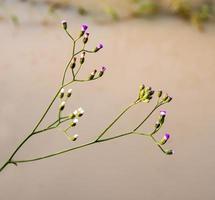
<point x="80" y="112"/>
<point x="74" y="137"/>
<point x="64" y="24"/>
<point x="103" y="69"/>
<point x="163" y="113"/>
<point x="100" y="46"/>
<point x="84" y="27"/>
<point x="164" y="139"/>
<point x="167" y="136"/>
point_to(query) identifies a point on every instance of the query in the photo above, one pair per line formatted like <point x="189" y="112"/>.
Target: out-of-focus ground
<point x="165" y="53"/>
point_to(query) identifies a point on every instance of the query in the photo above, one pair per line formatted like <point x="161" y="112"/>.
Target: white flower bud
<point x="62" y="105"/>
<point x="80" y="112"/>
<point x="64" y="24"/>
<point x="75" y="137"/>
<point x="74" y="122"/>
<point x="69" y="93"/>
<point x="61" y="94"/>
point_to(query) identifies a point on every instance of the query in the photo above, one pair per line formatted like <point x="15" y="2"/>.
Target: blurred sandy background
<point x="165" y="53"/>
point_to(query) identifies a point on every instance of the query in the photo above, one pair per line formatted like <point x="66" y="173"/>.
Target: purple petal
<point x="100" y="46"/>
<point x="84" y="27"/>
<point x="167" y="136"/>
<point x="162" y="112"/>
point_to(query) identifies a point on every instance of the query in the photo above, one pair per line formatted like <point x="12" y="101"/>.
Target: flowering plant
<point x="64" y="93"/>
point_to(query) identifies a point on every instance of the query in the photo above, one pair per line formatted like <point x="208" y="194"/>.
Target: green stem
<point x="157" y="106"/>
<point x="116" y="119"/>
<point x="71" y="149"/>
<point x="55" y="154"/>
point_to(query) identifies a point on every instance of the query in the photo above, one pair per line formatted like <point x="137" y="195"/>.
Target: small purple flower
<point x="166" y="136"/>
<point x="163" y="113"/>
<point x="100" y="46"/>
<point x="103" y="69"/>
<point x="164" y="139"/>
<point x="87" y="34"/>
<point x="84" y="27"/>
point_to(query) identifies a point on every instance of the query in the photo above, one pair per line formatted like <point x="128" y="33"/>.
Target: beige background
<point x="165" y="53"/>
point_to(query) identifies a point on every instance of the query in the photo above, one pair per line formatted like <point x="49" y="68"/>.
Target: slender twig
<point x="115" y="120"/>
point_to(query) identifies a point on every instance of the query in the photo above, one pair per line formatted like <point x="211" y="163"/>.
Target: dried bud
<point x="164" y="139"/>
<point x="160" y="93"/>
<point x="98" y="47"/>
<point x="84" y="27"/>
<point x="62" y="105"/>
<point x="61" y="94"/>
<point x="85" y="39"/>
<point x="92" y="75"/>
<point x="73" y="63"/>
<point x="69" y="93"/>
<point x="169" y="152"/>
<point x="101" y="72"/>
<point x="82" y="59"/>
<point x="64" y="24"/>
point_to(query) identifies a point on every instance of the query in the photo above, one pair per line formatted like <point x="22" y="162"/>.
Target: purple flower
<point x="166" y="136"/>
<point x="164" y="139"/>
<point x="163" y="113"/>
<point x="84" y="27"/>
<point x="100" y="46"/>
<point x="103" y="69"/>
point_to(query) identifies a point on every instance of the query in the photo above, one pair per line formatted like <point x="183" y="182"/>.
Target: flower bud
<point x="98" y="47"/>
<point x="162" y="116"/>
<point x="92" y="75"/>
<point x="164" y="139"/>
<point x="73" y="63"/>
<point x="62" y="105"/>
<point x="163" y="113"/>
<point x="69" y="93"/>
<point x="165" y="97"/>
<point x="85" y="39"/>
<point x="169" y="152"/>
<point x="72" y="116"/>
<point x="82" y="59"/>
<point x="74" y="137"/>
<point x="74" y="122"/>
<point x="101" y="72"/>
<point x="169" y="99"/>
<point x="160" y="93"/>
<point x="80" y="112"/>
<point x="157" y="125"/>
<point x="142" y="86"/>
<point x="61" y="94"/>
<point x="84" y="27"/>
<point x="151" y="92"/>
<point x="64" y="24"/>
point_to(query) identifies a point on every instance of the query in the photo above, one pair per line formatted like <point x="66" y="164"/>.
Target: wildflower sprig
<point x="66" y="122"/>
